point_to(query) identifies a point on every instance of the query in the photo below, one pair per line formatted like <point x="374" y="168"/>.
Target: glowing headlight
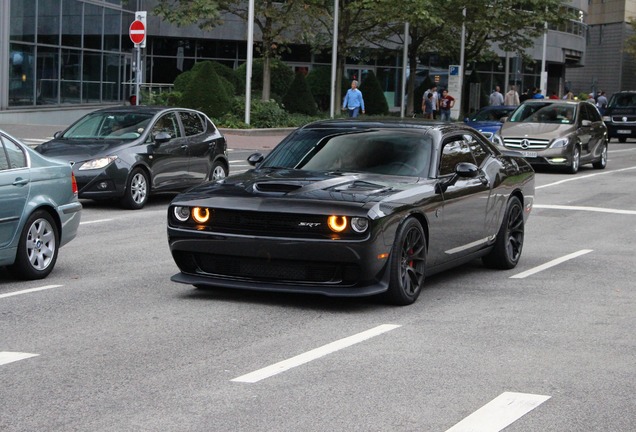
<point x="559" y="142"/>
<point x="181" y="213"/>
<point x="200" y="215"/>
<point x="97" y="163"/>
<point x="337" y="223"/>
<point x="359" y="224"/>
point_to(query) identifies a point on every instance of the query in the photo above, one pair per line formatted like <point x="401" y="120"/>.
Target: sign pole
<point x="137" y="33"/>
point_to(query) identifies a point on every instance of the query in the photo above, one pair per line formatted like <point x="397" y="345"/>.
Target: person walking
<point x="435" y="100"/>
<point x="601" y="102"/>
<point x="512" y="97"/>
<point x="427" y="106"/>
<point x="496" y="98"/>
<point x="445" y="104"/>
<point x="353" y="101"/>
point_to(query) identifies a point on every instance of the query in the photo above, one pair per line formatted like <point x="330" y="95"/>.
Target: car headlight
<point x="607" y="118"/>
<point x="339" y="224"/>
<point x="181" y="214"/>
<point x="559" y="142"/>
<point x="496" y="138"/>
<point x="97" y="163"/>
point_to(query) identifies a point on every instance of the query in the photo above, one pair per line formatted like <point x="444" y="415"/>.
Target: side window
<point x="595" y="116"/>
<point x="167" y="123"/>
<point x="4" y="161"/>
<point x="455" y="151"/>
<point x="15" y="154"/>
<point x="192" y="123"/>
<point x="585" y="112"/>
<point x="480" y="153"/>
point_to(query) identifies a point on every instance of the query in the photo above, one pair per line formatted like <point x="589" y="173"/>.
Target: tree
<point x="273" y="19"/>
<point x="206" y="92"/>
<point x="374" y="100"/>
<point x="630" y="43"/>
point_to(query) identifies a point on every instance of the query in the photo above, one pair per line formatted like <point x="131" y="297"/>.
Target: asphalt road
<point x="116" y="346"/>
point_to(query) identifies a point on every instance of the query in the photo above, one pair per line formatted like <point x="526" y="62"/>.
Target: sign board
<point x="137" y="32"/>
<point x="455" y="88"/>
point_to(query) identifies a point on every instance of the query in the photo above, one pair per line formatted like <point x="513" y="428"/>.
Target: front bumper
<point x="328" y="267"/>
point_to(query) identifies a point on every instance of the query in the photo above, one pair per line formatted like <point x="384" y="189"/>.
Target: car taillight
<point x="74" y="184"/>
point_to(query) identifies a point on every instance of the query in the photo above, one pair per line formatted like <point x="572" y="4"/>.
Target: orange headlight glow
<point x="200" y="215"/>
<point x="337" y="223"/>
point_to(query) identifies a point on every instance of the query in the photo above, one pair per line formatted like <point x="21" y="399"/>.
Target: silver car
<point x="558" y="133"/>
<point x="40" y="211"/>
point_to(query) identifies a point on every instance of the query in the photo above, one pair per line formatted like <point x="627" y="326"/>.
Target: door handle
<point x="20" y="182"/>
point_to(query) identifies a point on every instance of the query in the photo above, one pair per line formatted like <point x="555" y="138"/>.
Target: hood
<point x="80" y="150"/>
<point x="546" y="131"/>
<point x="269" y="186"/>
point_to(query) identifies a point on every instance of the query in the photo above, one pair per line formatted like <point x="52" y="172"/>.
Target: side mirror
<point x="466" y="170"/>
<point x="162" y="137"/>
<point x="255" y="158"/>
<point x="586" y="123"/>
<point x="57" y="134"/>
<point x="503" y="119"/>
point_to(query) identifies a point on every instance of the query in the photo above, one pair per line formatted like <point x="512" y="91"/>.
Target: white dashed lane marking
<point x="550" y="264"/>
<point x="10" y="357"/>
<point x="314" y="354"/>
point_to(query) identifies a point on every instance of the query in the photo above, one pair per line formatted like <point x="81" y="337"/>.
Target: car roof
<point x="370" y="123"/>
<point x="554" y="101"/>
<point x="144" y="109"/>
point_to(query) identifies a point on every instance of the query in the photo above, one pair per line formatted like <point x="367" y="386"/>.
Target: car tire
<point x="37" y="247"/>
<point x="509" y="242"/>
<point x="602" y="162"/>
<point x="137" y="190"/>
<point x="218" y="171"/>
<point x="575" y="161"/>
<point x="622" y="140"/>
<point x="408" y="263"/>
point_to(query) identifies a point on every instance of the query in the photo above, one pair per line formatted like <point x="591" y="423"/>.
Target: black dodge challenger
<point x="355" y="208"/>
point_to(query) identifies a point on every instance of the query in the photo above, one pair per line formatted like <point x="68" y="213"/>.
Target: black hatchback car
<point x="127" y="153"/>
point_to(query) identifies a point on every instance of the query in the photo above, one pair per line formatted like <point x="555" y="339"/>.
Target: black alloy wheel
<point x="408" y="263"/>
<point x="509" y="243"/>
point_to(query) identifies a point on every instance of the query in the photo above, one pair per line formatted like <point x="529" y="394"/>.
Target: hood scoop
<point x="277" y="188"/>
<point x="361" y="187"/>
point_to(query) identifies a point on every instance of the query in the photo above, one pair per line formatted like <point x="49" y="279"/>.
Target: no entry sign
<point x="137" y="32"/>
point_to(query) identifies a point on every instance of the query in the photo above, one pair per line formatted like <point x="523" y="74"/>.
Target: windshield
<point x="106" y="125"/>
<point x="391" y="152"/>
<point x="491" y="114"/>
<point x="544" y="113"/>
<point x="622" y="100"/>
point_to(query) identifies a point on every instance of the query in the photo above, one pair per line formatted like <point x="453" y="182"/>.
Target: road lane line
<point x="500" y="412"/>
<point x="550" y="264"/>
<point x="582" y="208"/>
<point x="314" y="354"/>
<point x="27" y="291"/>
<point x="10" y="357"/>
<point x="584" y="177"/>
<point x="95" y="221"/>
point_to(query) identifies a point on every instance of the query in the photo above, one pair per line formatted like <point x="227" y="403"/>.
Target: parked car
<point x="620" y="116"/>
<point x="355" y="208"/>
<point x="560" y="133"/>
<point x="129" y="152"/>
<point x="40" y="211"/>
<point x="488" y="119"/>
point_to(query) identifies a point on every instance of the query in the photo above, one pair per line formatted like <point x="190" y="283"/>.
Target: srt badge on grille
<point x="309" y="224"/>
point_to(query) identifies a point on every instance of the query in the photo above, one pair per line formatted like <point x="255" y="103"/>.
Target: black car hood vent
<point x="276" y="187"/>
<point x="362" y="187"/>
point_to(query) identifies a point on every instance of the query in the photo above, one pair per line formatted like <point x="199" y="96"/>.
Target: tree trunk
<point x="267" y="78"/>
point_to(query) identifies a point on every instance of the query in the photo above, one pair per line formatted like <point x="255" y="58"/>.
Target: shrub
<point x="319" y="82"/>
<point x="374" y="100"/>
<point x="281" y="77"/>
<point x="207" y="92"/>
<point x="299" y="98"/>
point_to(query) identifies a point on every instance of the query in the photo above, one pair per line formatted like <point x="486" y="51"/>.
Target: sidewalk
<point x="237" y="139"/>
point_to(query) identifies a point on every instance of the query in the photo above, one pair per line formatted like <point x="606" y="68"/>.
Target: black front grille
<point x="274" y="269"/>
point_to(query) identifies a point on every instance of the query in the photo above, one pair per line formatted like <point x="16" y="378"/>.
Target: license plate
<point x="624" y="131"/>
<point x="528" y="154"/>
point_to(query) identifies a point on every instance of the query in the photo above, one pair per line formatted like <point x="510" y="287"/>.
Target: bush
<point x="299" y="98"/>
<point x="319" y="82"/>
<point x="374" y="100"/>
<point x="281" y="77"/>
<point x="206" y="92"/>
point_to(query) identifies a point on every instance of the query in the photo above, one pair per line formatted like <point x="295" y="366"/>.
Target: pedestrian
<point x="569" y="96"/>
<point x="496" y="98"/>
<point x="601" y="102"/>
<point x="445" y="104"/>
<point x="553" y="95"/>
<point x="524" y="96"/>
<point x="512" y="97"/>
<point x="427" y="106"/>
<point x="537" y="94"/>
<point x="353" y="101"/>
<point x="435" y="100"/>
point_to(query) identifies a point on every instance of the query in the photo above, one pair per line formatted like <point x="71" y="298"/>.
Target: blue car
<point x="40" y="210"/>
<point x="488" y="119"/>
